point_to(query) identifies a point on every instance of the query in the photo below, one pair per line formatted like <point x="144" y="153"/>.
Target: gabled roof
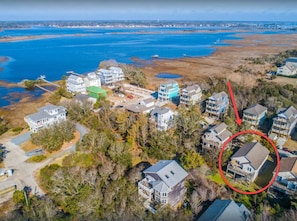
<point x="160" y="110"/>
<point x="218" y="96"/>
<point x="161" y="187"/>
<point x="219" y="128"/>
<point x="169" y="171"/>
<point x="225" y="210"/>
<point x="288" y="164"/>
<point x="74" y="77"/>
<point x="255" y="109"/>
<point x="254" y="152"/>
<point x="192" y="88"/>
<point x="43" y="112"/>
<point x="290" y="113"/>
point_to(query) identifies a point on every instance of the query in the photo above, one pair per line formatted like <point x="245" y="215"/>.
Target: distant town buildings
<point x="168" y="91"/>
<point x="164" y="183"/>
<point x="255" y="115"/>
<point x="225" y="210"/>
<point x="191" y="95"/>
<point x="217" y="104"/>
<point x="45" y="117"/>
<point x="163" y="117"/>
<point x="111" y="75"/>
<point x="216" y="136"/>
<point x="286" y="180"/>
<point x="290" y="67"/>
<point x="285" y="122"/>
<point x="248" y="160"/>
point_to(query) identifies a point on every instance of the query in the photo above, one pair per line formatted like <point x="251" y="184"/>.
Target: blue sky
<point x="264" y="10"/>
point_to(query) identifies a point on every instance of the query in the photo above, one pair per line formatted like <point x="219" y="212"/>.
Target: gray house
<point x="45" y="117"/>
<point x="255" y="115"/>
<point x="216" y="136"/>
<point x="163" y="183"/>
<point x="225" y="210"/>
<point x="248" y="161"/>
<point x="285" y="122"/>
<point x="286" y="180"/>
<point x="191" y="95"/>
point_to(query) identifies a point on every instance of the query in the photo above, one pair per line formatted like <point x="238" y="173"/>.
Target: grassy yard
<point x="217" y="179"/>
<point x="292" y="142"/>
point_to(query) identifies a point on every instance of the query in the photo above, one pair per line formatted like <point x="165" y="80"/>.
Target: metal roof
<point x="225" y="210"/>
<point x="169" y="171"/>
<point x="255" y="109"/>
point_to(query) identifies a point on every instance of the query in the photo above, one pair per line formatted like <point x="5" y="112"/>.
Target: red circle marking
<point x="277" y="162"/>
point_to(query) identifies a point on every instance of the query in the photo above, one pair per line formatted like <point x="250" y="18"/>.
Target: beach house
<point x="111" y="75"/>
<point x="255" y="115"/>
<point x="215" y="137"/>
<point x="163" y="183"/>
<point x="290" y="67"/>
<point x="46" y="116"/>
<point x="225" y="210"/>
<point x="191" y="95"/>
<point x="92" y="79"/>
<point x="247" y="161"/>
<point x="217" y="104"/>
<point x="75" y="84"/>
<point x="163" y="117"/>
<point x="144" y="106"/>
<point x="285" y="122"/>
<point x="286" y="180"/>
<point x="168" y="91"/>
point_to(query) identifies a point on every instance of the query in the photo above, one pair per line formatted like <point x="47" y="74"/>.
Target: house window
<point x="164" y="201"/>
<point x="167" y="176"/>
<point x="172" y="172"/>
<point x="164" y="194"/>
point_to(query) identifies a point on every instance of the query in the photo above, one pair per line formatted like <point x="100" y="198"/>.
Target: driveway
<point x="23" y="172"/>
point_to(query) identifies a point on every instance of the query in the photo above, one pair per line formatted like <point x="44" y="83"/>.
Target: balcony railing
<point x="283" y="188"/>
<point x="239" y="171"/>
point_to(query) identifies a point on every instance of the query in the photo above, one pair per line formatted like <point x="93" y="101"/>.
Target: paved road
<point x="21" y="138"/>
<point x="23" y="172"/>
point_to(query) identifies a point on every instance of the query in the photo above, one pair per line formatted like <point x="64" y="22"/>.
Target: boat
<point x="155" y="56"/>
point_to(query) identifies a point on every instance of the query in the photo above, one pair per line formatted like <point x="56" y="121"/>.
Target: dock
<point x="42" y="77"/>
<point x="43" y="88"/>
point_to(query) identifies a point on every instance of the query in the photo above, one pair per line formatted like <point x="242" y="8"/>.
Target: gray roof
<point x="73" y="77"/>
<point x="161" y="187"/>
<point x="81" y="97"/>
<point x="287" y="164"/>
<point x="148" y="100"/>
<point x="218" y="96"/>
<point x="290" y="113"/>
<point x="224" y="135"/>
<point x="43" y="114"/>
<point x="219" y="128"/>
<point x="225" y="210"/>
<point x="254" y="152"/>
<point x="159" y="110"/>
<point x="255" y="109"/>
<point x="192" y="88"/>
<point x="169" y="171"/>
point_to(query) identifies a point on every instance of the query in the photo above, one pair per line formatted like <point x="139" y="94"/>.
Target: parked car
<point x="286" y="149"/>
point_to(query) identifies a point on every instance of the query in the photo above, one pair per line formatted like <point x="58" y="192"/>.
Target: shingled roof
<point x="255" y="109"/>
<point x="254" y="152"/>
<point x="288" y="164"/>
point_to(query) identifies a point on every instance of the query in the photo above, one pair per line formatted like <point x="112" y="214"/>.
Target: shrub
<point x="36" y="159"/>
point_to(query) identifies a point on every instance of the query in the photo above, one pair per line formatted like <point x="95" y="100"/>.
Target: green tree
<point x="191" y="160"/>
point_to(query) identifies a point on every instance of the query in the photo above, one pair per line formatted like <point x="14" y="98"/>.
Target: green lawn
<point x="217" y="179"/>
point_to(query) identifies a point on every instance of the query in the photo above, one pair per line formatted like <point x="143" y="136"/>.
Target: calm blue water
<point x="53" y="57"/>
<point x="168" y="75"/>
